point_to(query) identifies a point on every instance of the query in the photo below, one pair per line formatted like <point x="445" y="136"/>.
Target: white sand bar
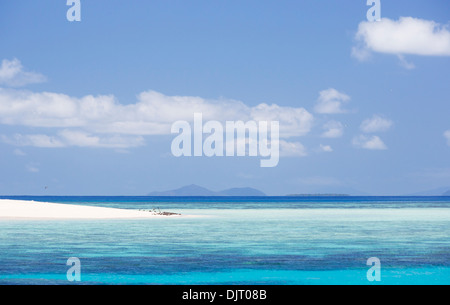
<point x="17" y="209"/>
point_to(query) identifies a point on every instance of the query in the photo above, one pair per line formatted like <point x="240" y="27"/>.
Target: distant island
<point x="195" y="190"/>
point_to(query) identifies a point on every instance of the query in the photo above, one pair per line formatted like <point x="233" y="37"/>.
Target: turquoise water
<point x="273" y="240"/>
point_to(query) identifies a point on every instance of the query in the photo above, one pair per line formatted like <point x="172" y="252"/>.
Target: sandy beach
<point x="17" y="209"/>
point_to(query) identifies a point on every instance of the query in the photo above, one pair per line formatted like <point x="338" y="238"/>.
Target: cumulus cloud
<point x="405" y="36"/>
<point x="292" y="149"/>
<point x="12" y="74"/>
<point x="371" y="143"/>
<point x="101" y="121"/>
<point x="447" y="136"/>
<point x="376" y="124"/>
<point x="331" y="102"/>
<point x="293" y="121"/>
<point x="333" y="129"/>
<point x="153" y="114"/>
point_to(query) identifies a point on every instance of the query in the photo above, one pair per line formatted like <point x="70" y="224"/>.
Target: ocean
<point x="236" y="240"/>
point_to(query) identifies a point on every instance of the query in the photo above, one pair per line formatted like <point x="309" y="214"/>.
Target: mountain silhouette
<point x="195" y="190"/>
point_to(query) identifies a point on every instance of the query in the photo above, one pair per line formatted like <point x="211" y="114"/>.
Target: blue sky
<point x="85" y="106"/>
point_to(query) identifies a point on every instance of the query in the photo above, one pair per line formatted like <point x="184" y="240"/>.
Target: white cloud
<point x="82" y="139"/>
<point x="36" y="140"/>
<point x="54" y="110"/>
<point x="153" y="114"/>
<point x="12" y="74"/>
<point x="376" y="124"/>
<point x="67" y="138"/>
<point x="325" y="148"/>
<point x="333" y="129"/>
<point x="286" y="148"/>
<point x="293" y="121"/>
<point x="100" y="121"/>
<point x="292" y="149"/>
<point x="405" y="36"/>
<point x="447" y="136"/>
<point x="371" y="143"/>
<point x="331" y="101"/>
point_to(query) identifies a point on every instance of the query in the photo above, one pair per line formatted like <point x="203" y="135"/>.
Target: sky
<point x="86" y="107"/>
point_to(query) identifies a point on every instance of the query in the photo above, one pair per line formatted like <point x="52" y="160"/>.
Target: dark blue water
<point x="239" y="240"/>
<point x="281" y="202"/>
